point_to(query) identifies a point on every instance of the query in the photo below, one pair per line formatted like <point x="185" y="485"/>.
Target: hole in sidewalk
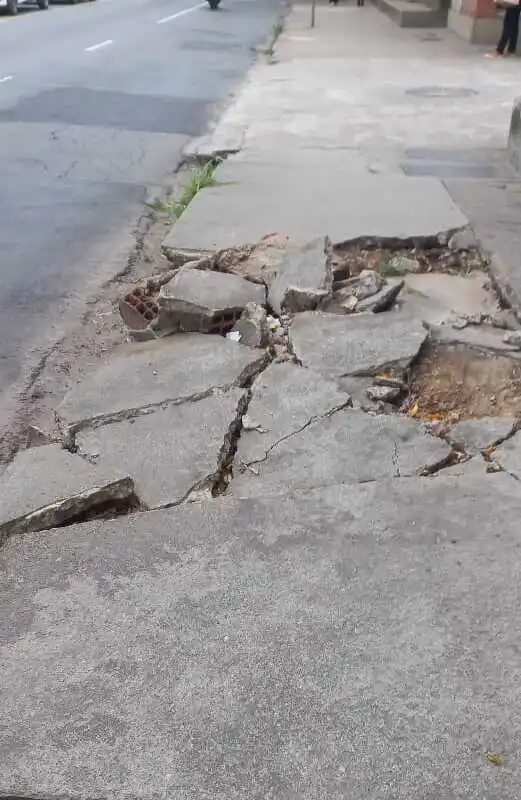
<point x="395" y="259"/>
<point x="450" y="383"/>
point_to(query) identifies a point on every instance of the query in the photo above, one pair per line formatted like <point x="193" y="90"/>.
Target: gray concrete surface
<point x="359" y="641"/>
<point x="147" y="375"/>
<point x="45" y="487"/>
<point x="171" y="453"/>
<point x="348" y="446"/>
<point x="476" y="435"/>
<point x="84" y="135"/>
<point x="508" y="456"/>
<point x="286" y="398"/>
<point x="335" y="345"/>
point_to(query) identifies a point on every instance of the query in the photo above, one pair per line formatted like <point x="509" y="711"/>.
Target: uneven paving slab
<point x="205" y="301"/>
<point x="172" y="452"/>
<point x="145" y="375"/>
<point x="284" y="399"/>
<point x="308" y="204"/>
<point x="349" y="446"/>
<point x="465" y="295"/>
<point x="304" y="277"/>
<point x="359" y="641"/>
<point x="335" y="345"/>
<point x="46" y="486"/>
<point x="508" y="456"/>
<point x="475" y="435"/>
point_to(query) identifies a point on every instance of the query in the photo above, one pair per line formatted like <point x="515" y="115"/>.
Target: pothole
<point x="451" y="383"/>
<point x="396" y="260"/>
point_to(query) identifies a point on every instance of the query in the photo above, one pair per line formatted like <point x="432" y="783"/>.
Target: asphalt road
<point x="97" y="101"/>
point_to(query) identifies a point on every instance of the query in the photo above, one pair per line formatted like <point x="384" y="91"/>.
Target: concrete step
<point x="413" y="14"/>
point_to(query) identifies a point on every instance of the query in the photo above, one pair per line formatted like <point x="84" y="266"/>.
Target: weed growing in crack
<point x="201" y="177"/>
<point x="277" y="29"/>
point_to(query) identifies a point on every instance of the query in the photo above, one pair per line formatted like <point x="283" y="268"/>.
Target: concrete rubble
<point x="318" y="561"/>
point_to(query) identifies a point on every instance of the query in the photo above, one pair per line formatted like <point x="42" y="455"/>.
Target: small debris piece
<point x="249" y="425"/>
<point x="304" y="278"/>
<point x="401" y="265"/>
<point x="384" y="394"/>
<point x="234" y="336"/>
<point x="138" y="309"/>
<point x="496" y="759"/>
<point x="368" y="283"/>
<point x="252" y="327"/>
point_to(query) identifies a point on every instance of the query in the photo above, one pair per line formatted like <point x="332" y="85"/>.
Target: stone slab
<point x="335" y="345"/>
<point x="46" y="486"/>
<point x="145" y="375"/>
<point x="349" y="446"/>
<point x="170" y="453"/>
<point x="284" y="399"/>
<point x="475" y="435"/>
<point x="464" y="295"/>
<point x="357" y="642"/>
<point x="304" y="277"/>
<point x="306" y="205"/>
<point x="196" y="300"/>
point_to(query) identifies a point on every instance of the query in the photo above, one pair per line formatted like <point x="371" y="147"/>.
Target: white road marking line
<point x="180" y="13"/>
<point x="97" y="46"/>
<point x="6" y="78"/>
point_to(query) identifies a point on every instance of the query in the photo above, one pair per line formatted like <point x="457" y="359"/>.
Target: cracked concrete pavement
<point x="288" y="569"/>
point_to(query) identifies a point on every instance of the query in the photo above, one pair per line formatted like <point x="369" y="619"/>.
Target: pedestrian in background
<point x="510" y="33"/>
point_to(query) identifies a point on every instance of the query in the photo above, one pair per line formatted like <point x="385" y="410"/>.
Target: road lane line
<point x="6" y="78"/>
<point x="180" y="13"/>
<point x="97" y="46"/>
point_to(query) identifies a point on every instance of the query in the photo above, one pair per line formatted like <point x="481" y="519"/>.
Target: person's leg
<point x="514" y="30"/>
<point x="505" y="33"/>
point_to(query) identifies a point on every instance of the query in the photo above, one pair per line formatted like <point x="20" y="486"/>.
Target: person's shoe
<point x="495" y="54"/>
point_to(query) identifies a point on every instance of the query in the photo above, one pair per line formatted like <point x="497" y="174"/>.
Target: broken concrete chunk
<point x="46" y="487"/>
<point x="172" y="452"/>
<point x="205" y="301"/>
<point x="144" y="376"/>
<point x="475" y="435"/>
<point x="285" y="398"/>
<point x="384" y="300"/>
<point x="359" y="344"/>
<point x="348" y="446"/>
<point x="504" y="319"/>
<point x="383" y="394"/>
<point x="252" y="327"/>
<point x="463" y="239"/>
<point x="513" y="338"/>
<point x="304" y="278"/>
<point x="464" y="295"/>
<point x="368" y="283"/>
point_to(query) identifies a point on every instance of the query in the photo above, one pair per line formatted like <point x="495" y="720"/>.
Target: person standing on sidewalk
<point x="510" y="33"/>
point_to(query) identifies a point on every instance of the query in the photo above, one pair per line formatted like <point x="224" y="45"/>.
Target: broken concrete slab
<point x="307" y="207"/>
<point x="204" y="301"/>
<point x="508" y="456"/>
<point x="144" y="376"/>
<point x="45" y="487"/>
<point x="356" y="344"/>
<point x="284" y="399"/>
<point x="348" y="446"/>
<point x="479" y="337"/>
<point x="464" y="295"/>
<point x="252" y="326"/>
<point x="173" y="452"/>
<point x="304" y="277"/>
<point x="475" y="435"/>
<point x="125" y="643"/>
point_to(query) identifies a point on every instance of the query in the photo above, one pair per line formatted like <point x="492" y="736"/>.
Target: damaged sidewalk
<point x="270" y="547"/>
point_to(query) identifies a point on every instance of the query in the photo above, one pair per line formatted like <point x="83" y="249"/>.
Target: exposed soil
<point x="451" y="383"/>
<point x="350" y="259"/>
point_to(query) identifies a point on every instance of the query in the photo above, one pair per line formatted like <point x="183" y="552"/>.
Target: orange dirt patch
<point x="452" y="383"/>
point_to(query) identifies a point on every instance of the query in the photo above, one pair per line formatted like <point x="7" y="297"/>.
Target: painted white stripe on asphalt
<point x="97" y="46"/>
<point x="180" y="13"/>
<point x="6" y="78"/>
